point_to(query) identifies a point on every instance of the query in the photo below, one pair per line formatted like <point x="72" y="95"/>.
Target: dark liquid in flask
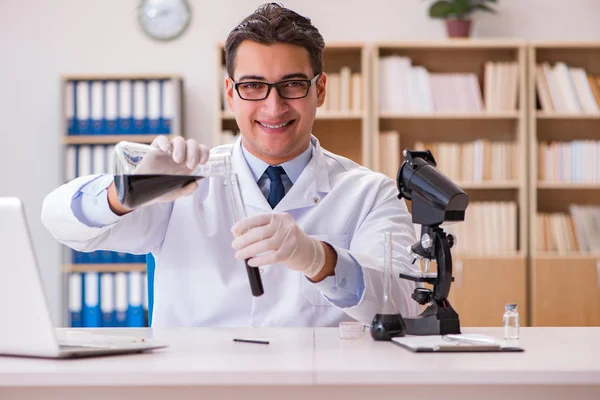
<point x="135" y="190"/>
<point x="387" y="326"/>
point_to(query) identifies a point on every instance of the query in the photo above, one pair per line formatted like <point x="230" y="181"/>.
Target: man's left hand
<point x="281" y="239"/>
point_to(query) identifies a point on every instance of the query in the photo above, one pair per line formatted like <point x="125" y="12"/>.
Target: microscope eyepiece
<point x="435" y="197"/>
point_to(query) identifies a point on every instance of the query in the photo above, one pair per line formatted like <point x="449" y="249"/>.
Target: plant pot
<point x="458" y="28"/>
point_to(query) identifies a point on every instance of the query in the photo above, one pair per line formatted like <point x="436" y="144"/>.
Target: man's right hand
<point x="175" y="156"/>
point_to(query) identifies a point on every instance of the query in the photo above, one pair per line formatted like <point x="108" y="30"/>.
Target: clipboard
<point x="455" y="343"/>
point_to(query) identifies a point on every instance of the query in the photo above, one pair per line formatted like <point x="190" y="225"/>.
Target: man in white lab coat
<point x="316" y="220"/>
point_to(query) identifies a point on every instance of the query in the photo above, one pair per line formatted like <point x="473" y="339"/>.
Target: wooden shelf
<point x="326" y="115"/>
<point x="489" y="185"/>
<point x="500" y="256"/>
<point x="92" y="77"/>
<point x="109" y="139"/>
<point x="568" y="186"/>
<point x="551" y="272"/>
<point x="566" y="256"/>
<point x="470" y="43"/>
<point x="544" y="115"/>
<point x="565" y="45"/>
<point x="108" y="267"/>
<point x="452" y="116"/>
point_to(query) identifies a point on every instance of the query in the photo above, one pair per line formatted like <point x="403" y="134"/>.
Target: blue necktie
<point x="277" y="191"/>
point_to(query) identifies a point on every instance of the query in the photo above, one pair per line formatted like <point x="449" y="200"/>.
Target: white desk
<point x="307" y="364"/>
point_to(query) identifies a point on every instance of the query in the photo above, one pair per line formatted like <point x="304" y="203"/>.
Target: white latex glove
<point x="176" y="156"/>
<point x="277" y="234"/>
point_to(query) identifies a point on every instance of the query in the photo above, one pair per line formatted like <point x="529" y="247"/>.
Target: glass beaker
<point x="143" y="173"/>
<point x="389" y="322"/>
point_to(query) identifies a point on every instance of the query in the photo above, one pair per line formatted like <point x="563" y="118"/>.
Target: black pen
<point x="251" y="341"/>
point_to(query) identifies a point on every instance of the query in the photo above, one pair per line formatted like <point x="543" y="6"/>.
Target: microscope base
<point x="434" y="320"/>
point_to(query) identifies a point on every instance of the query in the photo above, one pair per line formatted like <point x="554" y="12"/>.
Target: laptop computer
<point x="27" y="328"/>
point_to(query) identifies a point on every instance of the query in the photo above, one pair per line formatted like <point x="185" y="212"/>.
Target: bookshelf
<point x="564" y="126"/>
<point x="342" y="124"/>
<point x="476" y="111"/>
<point x="99" y="111"/>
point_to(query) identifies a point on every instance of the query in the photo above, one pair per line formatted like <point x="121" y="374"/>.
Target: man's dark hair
<point x="272" y="23"/>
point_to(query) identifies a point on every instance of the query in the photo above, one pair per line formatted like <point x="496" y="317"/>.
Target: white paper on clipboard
<point x="455" y="343"/>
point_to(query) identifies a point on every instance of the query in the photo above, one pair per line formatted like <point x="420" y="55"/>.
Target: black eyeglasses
<point x="288" y="89"/>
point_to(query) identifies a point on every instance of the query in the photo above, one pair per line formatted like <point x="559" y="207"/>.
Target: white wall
<point x="41" y="39"/>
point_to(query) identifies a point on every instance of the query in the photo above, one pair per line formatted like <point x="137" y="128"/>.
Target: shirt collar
<point x="293" y="168"/>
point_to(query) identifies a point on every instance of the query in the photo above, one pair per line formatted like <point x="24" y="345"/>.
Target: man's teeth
<point x="275" y="126"/>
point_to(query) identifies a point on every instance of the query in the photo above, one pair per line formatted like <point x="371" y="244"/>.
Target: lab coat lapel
<point x="251" y="193"/>
<point x="311" y="186"/>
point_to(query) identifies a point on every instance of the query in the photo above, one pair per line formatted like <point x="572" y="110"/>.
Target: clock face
<point x="164" y="19"/>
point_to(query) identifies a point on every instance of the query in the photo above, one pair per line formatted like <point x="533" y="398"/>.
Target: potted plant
<point x="457" y="14"/>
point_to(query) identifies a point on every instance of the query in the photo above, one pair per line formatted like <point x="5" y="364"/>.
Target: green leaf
<point x="440" y="9"/>
<point x="484" y="7"/>
<point x="462" y="8"/>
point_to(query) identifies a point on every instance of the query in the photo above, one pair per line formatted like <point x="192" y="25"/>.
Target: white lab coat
<point x="197" y="280"/>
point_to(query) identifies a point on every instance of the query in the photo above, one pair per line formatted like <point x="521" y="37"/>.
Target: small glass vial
<point x="511" y="322"/>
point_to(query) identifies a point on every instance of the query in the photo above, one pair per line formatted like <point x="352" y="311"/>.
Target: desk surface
<point x="306" y="356"/>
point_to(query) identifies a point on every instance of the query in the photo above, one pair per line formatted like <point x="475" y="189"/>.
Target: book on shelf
<point x="562" y="88"/>
<point x="408" y="88"/>
<point x="575" y="231"/>
<point x="122" y="106"/>
<point x="477" y="161"/>
<point x="575" y="161"/>
<point x="489" y="228"/>
<point x="344" y="91"/>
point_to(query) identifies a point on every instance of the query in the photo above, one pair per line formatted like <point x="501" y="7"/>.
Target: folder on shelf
<point x="154" y="99"/>
<point x="455" y="343"/>
<point x="91" y="304"/>
<point x="111" y="101"/>
<point x="135" y="312"/>
<point x="97" y="107"/>
<point x="125" y="107"/>
<point x="83" y="96"/>
<point x="170" y="106"/>
<point x="107" y="299"/>
<point x="121" y="301"/>
<point x="140" y="114"/>
<point x="70" y="107"/>
<point x="75" y="289"/>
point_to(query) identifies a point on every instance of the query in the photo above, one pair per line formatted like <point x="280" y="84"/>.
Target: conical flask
<point x="143" y="173"/>
<point x="389" y="322"/>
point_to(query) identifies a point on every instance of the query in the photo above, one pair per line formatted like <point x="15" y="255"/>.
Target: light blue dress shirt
<point x="90" y="206"/>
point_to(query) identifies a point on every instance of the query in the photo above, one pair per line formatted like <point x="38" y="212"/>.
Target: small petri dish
<point x="351" y="330"/>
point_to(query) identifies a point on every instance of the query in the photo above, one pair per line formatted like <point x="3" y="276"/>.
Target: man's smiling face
<point x="274" y="129"/>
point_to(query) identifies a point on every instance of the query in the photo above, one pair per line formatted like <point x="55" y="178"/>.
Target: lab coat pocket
<point x="310" y="292"/>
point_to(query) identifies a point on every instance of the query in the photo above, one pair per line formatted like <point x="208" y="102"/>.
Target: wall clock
<point x="164" y="19"/>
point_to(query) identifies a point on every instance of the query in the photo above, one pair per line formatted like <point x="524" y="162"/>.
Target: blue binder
<point x="135" y="311"/>
<point x="75" y="300"/>
<point x="91" y="305"/>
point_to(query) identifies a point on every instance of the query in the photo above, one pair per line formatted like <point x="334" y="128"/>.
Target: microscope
<point x="435" y="199"/>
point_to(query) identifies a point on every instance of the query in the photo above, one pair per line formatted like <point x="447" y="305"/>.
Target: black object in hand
<point x="387" y="326"/>
<point x="255" y="281"/>
<point x="135" y="190"/>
